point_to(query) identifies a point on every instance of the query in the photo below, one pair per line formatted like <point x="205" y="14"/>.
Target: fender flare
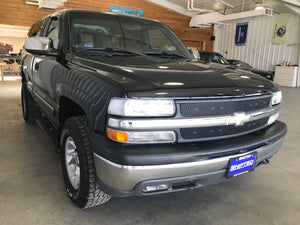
<point x="88" y="90"/>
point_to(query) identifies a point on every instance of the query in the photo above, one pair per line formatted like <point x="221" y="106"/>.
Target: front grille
<point x="223" y="107"/>
<point x="205" y="133"/>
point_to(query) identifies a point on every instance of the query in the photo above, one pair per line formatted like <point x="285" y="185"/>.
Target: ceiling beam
<point x="294" y="5"/>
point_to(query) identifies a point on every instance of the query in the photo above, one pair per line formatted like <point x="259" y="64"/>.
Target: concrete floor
<point x="32" y="192"/>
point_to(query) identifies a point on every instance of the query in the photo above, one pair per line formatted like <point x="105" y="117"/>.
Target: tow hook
<point x="265" y="161"/>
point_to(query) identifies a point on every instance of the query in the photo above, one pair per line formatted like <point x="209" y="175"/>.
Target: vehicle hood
<point x="164" y="77"/>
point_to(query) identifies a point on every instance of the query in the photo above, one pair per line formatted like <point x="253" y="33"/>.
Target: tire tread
<point x="95" y="195"/>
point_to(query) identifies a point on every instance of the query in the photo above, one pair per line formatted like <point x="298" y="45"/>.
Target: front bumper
<point x="129" y="179"/>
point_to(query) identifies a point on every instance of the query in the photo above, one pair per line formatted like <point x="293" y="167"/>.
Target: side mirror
<point x="195" y="53"/>
<point x="39" y="46"/>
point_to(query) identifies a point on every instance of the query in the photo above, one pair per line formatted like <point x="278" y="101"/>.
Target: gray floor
<point x="32" y="192"/>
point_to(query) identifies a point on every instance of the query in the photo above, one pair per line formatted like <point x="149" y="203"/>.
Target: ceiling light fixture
<point x="227" y="4"/>
<point x="47" y="4"/>
<point x="218" y="18"/>
<point x="32" y="2"/>
<point x="258" y="7"/>
<point x="190" y="7"/>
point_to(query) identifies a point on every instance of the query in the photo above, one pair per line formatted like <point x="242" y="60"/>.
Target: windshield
<point x="245" y="65"/>
<point x="99" y="33"/>
<point x="213" y="57"/>
<point x="240" y="64"/>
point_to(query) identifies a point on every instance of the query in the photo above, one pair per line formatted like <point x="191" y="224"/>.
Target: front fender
<point x="88" y="90"/>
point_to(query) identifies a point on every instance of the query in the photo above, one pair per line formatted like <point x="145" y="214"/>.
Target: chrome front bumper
<point x="125" y="177"/>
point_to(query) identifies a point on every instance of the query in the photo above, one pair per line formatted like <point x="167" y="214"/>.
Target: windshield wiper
<point x="165" y="54"/>
<point x="110" y="50"/>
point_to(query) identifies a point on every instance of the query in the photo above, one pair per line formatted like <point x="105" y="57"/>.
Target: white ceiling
<point x="239" y="5"/>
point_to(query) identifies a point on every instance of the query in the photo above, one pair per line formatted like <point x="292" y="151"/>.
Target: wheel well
<point x="23" y="77"/>
<point x="67" y="109"/>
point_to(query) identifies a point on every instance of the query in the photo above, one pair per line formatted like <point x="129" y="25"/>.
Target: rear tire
<point x="28" y="107"/>
<point x="78" y="164"/>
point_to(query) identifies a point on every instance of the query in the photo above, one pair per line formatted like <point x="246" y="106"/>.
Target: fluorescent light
<point x="163" y="67"/>
<point x="173" y="83"/>
<point x="32" y="3"/>
<point x="227" y="4"/>
<point x="258" y="7"/>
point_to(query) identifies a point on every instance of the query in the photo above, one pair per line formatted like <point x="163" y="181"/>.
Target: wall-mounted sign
<point x="118" y="9"/>
<point x="279" y="35"/>
<point x="241" y="33"/>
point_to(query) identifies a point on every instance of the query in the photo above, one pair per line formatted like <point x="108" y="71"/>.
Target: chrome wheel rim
<point x="72" y="163"/>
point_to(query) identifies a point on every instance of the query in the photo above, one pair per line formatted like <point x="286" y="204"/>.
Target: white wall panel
<point x="259" y="51"/>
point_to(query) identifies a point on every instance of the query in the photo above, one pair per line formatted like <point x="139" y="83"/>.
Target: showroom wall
<point x="259" y="51"/>
<point x="16" y="42"/>
<point x="16" y="12"/>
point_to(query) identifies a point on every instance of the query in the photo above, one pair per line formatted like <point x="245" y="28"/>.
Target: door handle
<point x="37" y="66"/>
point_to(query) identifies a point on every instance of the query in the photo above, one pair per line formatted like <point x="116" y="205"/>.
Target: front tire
<point x="78" y="164"/>
<point x="27" y="105"/>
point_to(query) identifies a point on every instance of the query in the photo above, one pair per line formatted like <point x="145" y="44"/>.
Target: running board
<point x="50" y="132"/>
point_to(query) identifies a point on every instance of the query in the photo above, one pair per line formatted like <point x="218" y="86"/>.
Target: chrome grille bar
<point x="237" y="119"/>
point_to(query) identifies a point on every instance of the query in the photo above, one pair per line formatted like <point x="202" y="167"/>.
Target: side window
<point x="52" y="32"/>
<point x="36" y="28"/>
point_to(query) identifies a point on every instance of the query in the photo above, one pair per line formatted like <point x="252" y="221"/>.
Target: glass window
<point x="53" y="30"/>
<point x="213" y="57"/>
<point x="146" y="36"/>
<point x="52" y="33"/>
<point x="245" y="65"/>
<point x="99" y="30"/>
<point x="221" y="59"/>
<point x="157" y="40"/>
<point x="92" y="33"/>
<point x="36" y="28"/>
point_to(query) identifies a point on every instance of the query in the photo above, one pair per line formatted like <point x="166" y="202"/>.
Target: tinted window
<point x="96" y="33"/>
<point x="97" y="30"/>
<point x="245" y="65"/>
<point x="149" y="36"/>
<point x="213" y="57"/>
<point x="52" y="32"/>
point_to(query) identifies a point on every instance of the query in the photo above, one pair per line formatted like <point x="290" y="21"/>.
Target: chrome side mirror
<point x="195" y="53"/>
<point x="37" y="43"/>
<point x="39" y="46"/>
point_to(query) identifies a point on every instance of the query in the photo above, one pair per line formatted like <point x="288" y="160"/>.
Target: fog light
<point x="159" y="187"/>
<point x="273" y="118"/>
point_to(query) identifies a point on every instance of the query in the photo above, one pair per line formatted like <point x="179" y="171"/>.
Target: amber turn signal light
<point x="115" y="135"/>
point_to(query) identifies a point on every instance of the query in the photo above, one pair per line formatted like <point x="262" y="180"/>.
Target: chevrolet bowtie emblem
<point x="239" y="119"/>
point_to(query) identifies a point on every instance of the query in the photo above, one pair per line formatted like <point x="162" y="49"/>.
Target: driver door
<point x="43" y="67"/>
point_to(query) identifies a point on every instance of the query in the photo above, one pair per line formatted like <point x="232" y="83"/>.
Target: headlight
<point x="141" y="107"/>
<point x="276" y="98"/>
